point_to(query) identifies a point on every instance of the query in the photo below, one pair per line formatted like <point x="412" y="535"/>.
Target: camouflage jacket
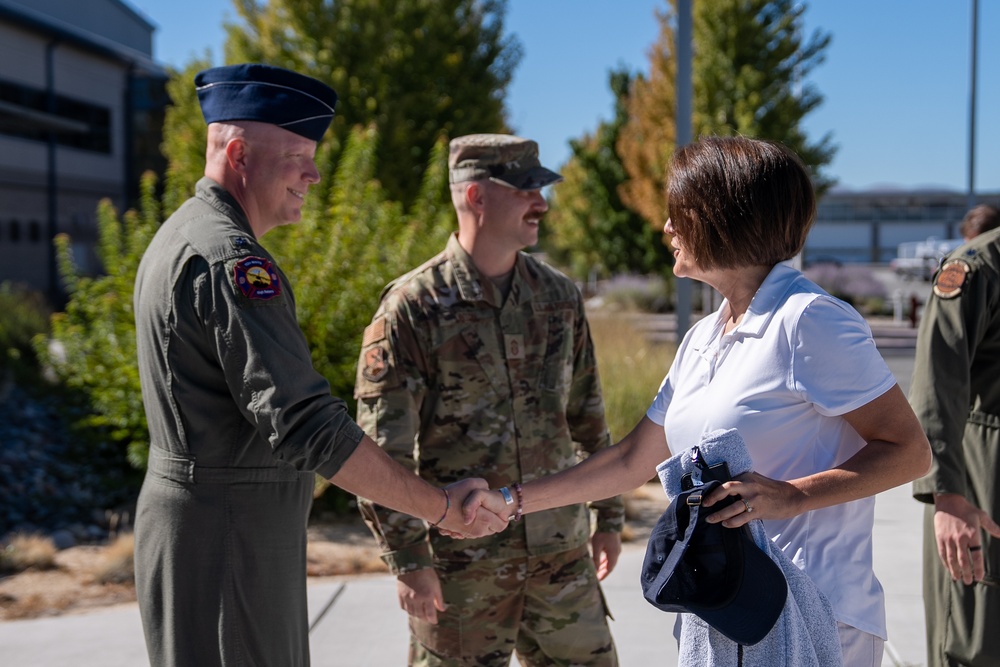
<point x="455" y="382"/>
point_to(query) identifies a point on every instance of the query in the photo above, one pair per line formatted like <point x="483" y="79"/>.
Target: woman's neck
<point x="739" y="286"/>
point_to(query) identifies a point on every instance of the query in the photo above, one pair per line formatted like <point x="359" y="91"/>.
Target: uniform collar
<point x="219" y="198"/>
<point x="473" y="286"/>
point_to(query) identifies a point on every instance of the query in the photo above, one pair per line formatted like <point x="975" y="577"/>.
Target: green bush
<point x="25" y="315"/>
<point x="92" y="345"/>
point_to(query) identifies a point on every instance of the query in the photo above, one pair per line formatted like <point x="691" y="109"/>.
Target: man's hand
<point x="420" y="594"/>
<point x="605" y="548"/>
<point x="957" y="523"/>
<point x="459" y="524"/>
<point x="490" y="501"/>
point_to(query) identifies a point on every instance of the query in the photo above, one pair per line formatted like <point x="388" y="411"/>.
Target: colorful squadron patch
<point x="376" y="363"/>
<point x="951" y="278"/>
<point x="256" y="278"/>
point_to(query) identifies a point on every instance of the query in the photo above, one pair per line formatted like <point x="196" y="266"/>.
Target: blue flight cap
<point x="266" y="94"/>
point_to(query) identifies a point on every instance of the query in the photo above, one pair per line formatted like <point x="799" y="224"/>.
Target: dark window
<point x="30" y="113"/>
<point x="34" y="231"/>
<point x="15" y="231"/>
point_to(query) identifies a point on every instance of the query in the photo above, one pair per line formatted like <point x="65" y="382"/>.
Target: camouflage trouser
<point x="549" y="609"/>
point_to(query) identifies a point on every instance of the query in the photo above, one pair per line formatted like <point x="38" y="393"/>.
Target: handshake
<point x="473" y="510"/>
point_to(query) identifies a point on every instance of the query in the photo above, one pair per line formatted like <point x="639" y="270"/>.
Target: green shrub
<point x="92" y="345"/>
<point x="25" y="315"/>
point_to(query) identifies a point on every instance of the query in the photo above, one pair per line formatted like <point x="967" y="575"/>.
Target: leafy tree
<point x="749" y="74"/>
<point x="589" y="228"/>
<point x="184" y="136"/>
<point x="415" y="69"/>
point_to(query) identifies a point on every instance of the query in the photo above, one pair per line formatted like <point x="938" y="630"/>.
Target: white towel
<point x="805" y="635"/>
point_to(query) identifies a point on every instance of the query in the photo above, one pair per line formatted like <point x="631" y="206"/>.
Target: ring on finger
<point x="746" y="505"/>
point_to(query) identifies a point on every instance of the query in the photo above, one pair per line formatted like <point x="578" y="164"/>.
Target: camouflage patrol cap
<point x="502" y="158"/>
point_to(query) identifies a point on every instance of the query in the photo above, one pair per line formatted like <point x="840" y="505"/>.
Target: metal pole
<point x="52" y="185"/>
<point x="971" y="197"/>
<point x="683" y="135"/>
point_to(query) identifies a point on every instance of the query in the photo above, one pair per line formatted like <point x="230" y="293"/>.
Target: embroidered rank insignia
<point x="376" y="364"/>
<point x="515" y="345"/>
<point x="374" y="332"/>
<point x="256" y="278"/>
<point x="951" y="278"/>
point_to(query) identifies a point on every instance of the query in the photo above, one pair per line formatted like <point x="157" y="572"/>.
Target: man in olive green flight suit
<point x="239" y="420"/>
<point x="480" y="363"/>
<point x="956" y="395"/>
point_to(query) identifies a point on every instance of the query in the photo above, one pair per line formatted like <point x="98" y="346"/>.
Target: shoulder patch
<point x="951" y="278"/>
<point x="376" y="361"/>
<point x="256" y="278"/>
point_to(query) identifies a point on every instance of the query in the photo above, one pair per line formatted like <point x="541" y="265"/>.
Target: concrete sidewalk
<point x="358" y="623"/>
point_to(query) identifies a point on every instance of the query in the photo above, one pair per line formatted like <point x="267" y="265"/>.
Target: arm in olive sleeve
<point x="950" y="333"/>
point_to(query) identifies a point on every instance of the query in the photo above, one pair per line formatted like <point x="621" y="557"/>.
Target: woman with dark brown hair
<point x="792" y="368"/>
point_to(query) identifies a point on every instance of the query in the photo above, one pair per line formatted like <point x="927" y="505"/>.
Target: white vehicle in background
<point x="920" y="259"/>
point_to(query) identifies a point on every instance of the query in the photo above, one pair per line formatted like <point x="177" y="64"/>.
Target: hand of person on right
<point x="458" y="524"/>
<point x="420" y="594"/>
<point x="957" y="524"/>
<point x="490" y="501"/>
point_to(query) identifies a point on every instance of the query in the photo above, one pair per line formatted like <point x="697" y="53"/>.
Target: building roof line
<point x="84" y="39"/>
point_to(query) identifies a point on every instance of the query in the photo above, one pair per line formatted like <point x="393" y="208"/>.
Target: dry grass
<point x="28" y="552"/>
<point x="631" y="366"/>
<point x="117" y="563"/>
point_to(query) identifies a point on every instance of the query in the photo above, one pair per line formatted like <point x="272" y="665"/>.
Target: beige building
<point x="81" y="109"/>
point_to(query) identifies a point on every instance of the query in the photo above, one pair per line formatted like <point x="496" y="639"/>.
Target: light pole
<point x="683" y="136"/>
<point x="971" y="196"/>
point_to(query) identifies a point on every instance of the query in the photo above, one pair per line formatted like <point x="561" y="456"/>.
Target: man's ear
<point x="236" y="155"/>
<point x="474" y="197"/>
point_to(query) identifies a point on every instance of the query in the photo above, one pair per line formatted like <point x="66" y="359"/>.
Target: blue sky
<point x="896" y="79"/>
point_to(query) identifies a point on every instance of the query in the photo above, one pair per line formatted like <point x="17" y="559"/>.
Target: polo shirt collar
<point x="765" y="302"/>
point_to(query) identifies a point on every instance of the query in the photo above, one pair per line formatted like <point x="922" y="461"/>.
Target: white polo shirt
<point x="798" y="361"/>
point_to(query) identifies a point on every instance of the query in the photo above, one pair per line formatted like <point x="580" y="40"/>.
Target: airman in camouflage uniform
<point x="480" y="363"/>
<point x="956" y="395"/>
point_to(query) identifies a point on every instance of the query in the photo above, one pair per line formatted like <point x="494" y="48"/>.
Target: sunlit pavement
<point x="357" y="622"/>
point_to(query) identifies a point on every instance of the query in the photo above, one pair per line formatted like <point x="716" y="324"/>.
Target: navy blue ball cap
<point x="717" y="573"/>
<point x="266" y="94"/>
